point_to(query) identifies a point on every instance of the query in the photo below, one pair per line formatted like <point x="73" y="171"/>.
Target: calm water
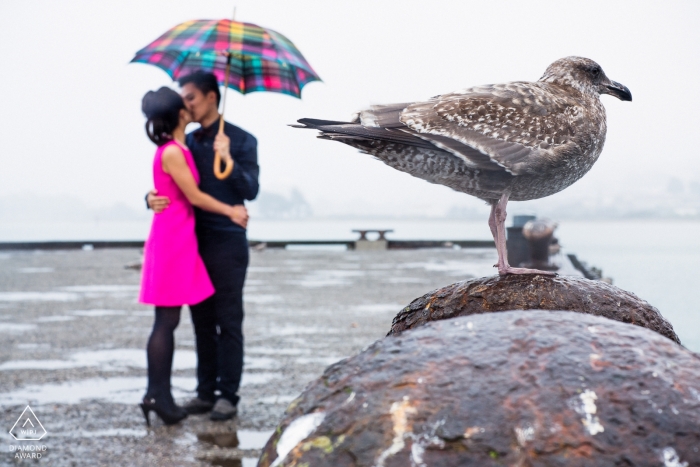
<point x="656" y="260"/>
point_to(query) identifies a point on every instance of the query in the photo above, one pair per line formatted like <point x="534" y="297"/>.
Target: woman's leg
<point x="161" y="346"/>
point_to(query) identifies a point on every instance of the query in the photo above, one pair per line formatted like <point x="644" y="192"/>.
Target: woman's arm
<point x="174" y="164"/>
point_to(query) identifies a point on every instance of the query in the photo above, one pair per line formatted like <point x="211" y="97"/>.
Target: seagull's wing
<point x="388" y="117"/>
<point x="517" y="126"/>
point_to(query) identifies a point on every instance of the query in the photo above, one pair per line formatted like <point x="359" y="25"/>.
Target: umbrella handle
<point x="217" y="167"/>
<point x="217" y="158"/>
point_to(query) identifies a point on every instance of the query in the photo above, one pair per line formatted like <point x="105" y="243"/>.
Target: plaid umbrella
<point x="243" y="56"/>
<point x="260" y="59"/>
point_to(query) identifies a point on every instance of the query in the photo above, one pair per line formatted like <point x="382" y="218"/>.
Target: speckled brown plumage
<point x="518" y="141"/>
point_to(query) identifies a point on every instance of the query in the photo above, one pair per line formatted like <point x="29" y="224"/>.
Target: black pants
<point x="218" y="320"/>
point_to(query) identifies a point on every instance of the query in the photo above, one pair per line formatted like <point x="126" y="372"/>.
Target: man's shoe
<point x="223" y="410"/>
<point x="198" y="406"/>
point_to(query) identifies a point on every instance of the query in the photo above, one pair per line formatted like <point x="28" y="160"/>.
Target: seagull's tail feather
<point x="314" y="123"/>
<point x="345" y="131"/>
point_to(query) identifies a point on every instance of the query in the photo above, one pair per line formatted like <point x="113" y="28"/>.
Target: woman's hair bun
<point x="162" y="111"/>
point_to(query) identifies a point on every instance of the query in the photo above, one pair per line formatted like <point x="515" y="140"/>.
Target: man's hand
<point x="222" y="145"/>
<point x="157" y="203"/>
<point x="239" y="215"/>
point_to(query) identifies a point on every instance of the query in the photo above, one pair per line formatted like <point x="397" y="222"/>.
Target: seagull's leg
<point x="494" y="232"/>
<point x="498" y="218"/>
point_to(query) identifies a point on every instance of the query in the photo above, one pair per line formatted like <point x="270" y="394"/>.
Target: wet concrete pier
<point x="72" y="340"/>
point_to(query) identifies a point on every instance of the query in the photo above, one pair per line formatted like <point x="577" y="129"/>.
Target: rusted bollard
<point x="526" y="292"/>
<point x="545" y="388"/>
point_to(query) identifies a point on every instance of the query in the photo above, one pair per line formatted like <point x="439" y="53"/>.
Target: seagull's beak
<point x="616" y="89"/>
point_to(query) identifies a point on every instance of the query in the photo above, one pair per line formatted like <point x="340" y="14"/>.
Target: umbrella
<point x="243" y="56"/>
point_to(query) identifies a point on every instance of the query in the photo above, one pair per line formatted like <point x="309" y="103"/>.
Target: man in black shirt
<point x="222" y="244"/>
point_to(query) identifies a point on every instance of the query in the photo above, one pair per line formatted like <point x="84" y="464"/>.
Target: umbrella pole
<point x="217" y="157"/>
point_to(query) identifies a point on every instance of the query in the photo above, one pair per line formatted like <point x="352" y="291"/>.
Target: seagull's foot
<point x="504" y="271"/>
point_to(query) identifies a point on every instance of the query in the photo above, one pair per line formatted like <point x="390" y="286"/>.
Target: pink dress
<point x="173" y="273"/>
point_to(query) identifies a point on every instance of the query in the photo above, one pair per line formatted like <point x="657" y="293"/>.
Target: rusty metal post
<point x="516" y="243"/>
<point x="539" y="234"/>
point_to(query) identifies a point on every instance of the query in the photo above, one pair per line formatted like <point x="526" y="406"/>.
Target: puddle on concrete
<point x="339" y="273"/>
<point x="106" y="433"/>
<point x="17" y="327"/>
<point x="261" y="299"/>
<point x="116" y="390"/>
<point x="327" y="278"/>
<point x="101" y="288"/>
<point x="123" y="359"/>
<point x="276" y="399"/>
<point x="317" y="360"/>
<point x="255" y="269"/>
<point x="241" y="439"/>
<point x="54" y="319"/>
<point x="119" y="390"/>
<point x="273" y="351"/>
<point x="315" y="283"/>
<point x="302" y="341"/>
<point x="66" y="294"/>
<point x="150" y="313"/>
<point x="380" y="266"/>
<point x="126" y="432"/>
<point x="378" y="308"/>
<point x="292" y="330"/>
<point x="106" y="360"/>
<point x="38" y="297"/>
<point x="34" y="270"/>
<point x="32" y="346"/>
<point x="36" y="365"/>
<point x="453" y="268"/>
<point x="251" y="379"/>
<point x="97" y="313"/>
<point x="250" y="439"/>
<point x="403" y="280"/>
<point x="260" y="363"/>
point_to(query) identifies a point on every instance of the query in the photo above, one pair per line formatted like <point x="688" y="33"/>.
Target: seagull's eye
<point x="595" y="71"/>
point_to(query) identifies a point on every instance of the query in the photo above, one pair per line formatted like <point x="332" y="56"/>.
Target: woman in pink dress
<point x="173" y="272"/>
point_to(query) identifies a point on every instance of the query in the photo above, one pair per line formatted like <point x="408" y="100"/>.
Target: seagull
<point x="515" y="141"/>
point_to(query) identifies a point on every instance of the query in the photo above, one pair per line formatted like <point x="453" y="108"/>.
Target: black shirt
<point x="241" y="185"/>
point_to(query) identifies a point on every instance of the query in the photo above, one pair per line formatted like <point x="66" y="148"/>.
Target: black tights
<point x="161" y="346"/>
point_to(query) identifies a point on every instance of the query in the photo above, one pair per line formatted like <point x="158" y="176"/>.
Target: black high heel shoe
<point x="166" y="410"/>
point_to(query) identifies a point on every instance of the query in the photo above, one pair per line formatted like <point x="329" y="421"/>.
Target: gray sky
<point x="72" y="125"/>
